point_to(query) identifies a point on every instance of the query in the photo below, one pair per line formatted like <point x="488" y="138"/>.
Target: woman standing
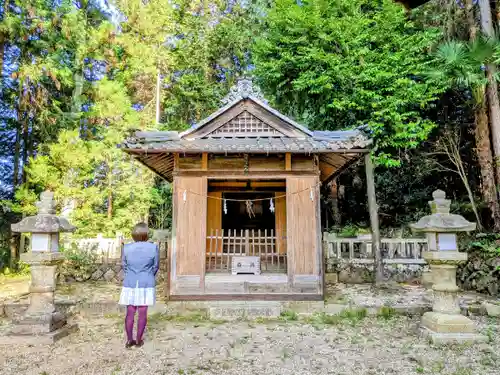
<point x="141" y="261"/>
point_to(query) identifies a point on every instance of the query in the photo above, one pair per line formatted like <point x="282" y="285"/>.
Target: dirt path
<point x="369" y="346"/>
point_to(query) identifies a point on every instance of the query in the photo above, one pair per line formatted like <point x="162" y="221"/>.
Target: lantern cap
<point x="441" y="220"/>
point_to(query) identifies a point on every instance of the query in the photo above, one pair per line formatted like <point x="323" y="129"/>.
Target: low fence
<point x="351" y="260"/>
<point x="106" y="249"/>
<point x="223" y="245"/>
<point x="347" y="260"/>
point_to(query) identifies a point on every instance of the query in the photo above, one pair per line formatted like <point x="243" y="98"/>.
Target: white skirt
<point x="137" y="296"/>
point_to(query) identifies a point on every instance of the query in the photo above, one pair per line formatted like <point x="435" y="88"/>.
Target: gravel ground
<point x="351" y="345"/>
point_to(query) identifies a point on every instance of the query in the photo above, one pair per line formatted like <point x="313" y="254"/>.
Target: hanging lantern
<point x="225" y="207"/>
<point x="184" y="196"/>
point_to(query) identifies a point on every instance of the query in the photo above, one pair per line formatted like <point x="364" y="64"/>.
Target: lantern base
<point x="449" y="328"/>
<point x="38" y="339"/>
<point x="38" y="323"/>
<point x="453" y="338"/>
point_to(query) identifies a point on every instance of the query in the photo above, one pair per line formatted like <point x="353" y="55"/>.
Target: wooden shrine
<point x="246" y="183"/>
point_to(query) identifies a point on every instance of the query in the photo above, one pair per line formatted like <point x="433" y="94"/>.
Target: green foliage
<point x="348" y="231"/>
<point x="343" y="63"/>
<point x="91" y="85"/>
<point x="79" y="264"/>
<point x="289" y="315"/>
<point x="161" y="207"/>
<point x="489" y="246"/>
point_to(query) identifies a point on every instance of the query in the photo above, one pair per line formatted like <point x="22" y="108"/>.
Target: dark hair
<point x="140" y="232"/>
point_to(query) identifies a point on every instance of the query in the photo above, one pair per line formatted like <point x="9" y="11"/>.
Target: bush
<point x="78" y="265"/>
<point x="481" y="273"/>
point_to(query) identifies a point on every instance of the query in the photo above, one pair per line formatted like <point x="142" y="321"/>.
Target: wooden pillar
<point x="374" y="222"/>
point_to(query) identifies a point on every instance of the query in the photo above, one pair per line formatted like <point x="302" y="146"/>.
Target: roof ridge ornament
<point x="243" y="88"/>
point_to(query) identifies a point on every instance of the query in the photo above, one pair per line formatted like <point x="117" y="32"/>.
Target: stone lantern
<point x="445" y="323"/>
<point x="41" y="323"/>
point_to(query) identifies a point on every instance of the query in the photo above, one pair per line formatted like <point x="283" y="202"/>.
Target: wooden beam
<point x="234" y="174"/>
<point x="258" y="184"/>
<point x="204" y="161"/>
<point x="176" y="161"/>
<point x="248" y="297"/>
<point x="288" y="161"/>
<point x="374" y="221"/>
<point x="340" y="170"/>
<point x="227" y="184"/>
<point x="243" y="184"/>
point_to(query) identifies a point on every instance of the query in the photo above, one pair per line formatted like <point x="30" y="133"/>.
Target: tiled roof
<point x="319" y="142"/>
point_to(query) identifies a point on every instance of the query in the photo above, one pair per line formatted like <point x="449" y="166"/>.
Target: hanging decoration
<point x="225" y="207"/>
<point x="271" y="205"/>
<point x="184" y="196"/>
<point x="311" y="194"/>
<point x="250" y="211"/>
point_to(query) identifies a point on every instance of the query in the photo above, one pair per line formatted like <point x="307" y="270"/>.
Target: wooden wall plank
<point x="302" y="163"/>
<point x="191" y="223"/>
<point x="265" y="163"/>
<point x="288" y="161"/>
<point x="204" y="161"/>
<point x="302" y="228"/>
<point x="190" y="163"/>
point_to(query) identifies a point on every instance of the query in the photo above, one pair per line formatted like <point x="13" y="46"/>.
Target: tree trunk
<point x="492" y="88"/>
<point x="110" y="203"/>
<point x="13" y="251"/>
<point x="26" y="147"/>
<point x="334" y="196"/>
<point x="471" y="19"/>
<point x="485" y="160"/>
<point x="483" y="144"/>
<point x="378" y="266"/>
<point x="494" y="104"/>
<point x="17" y="156"/>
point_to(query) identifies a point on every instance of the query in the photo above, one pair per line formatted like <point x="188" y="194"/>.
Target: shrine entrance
<point x="246" y="218"/>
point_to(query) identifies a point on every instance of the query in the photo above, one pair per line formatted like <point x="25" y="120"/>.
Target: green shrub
<point x="79" y="263"/>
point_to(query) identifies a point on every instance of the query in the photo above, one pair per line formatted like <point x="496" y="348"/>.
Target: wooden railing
<point x="222" y="245"/>
<point x="359" y="250"/>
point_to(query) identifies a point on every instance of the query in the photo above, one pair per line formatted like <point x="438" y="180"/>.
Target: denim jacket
<point x="140" y="261"/>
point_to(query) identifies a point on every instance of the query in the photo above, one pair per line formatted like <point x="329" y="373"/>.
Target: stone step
<point x="245" y="310"/>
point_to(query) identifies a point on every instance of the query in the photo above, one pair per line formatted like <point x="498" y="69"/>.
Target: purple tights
<point x="141" y="323"/>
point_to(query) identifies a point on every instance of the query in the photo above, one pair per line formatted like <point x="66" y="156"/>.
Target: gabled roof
<point x="191" y="133"/>
<point x="247" y="124"/>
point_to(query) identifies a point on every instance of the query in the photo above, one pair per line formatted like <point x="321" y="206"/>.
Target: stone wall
<point x="345" y="271"/>
<point x="481" y="272"/>
<point x="111" y="272"/>
<point x="355" y="272"/>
